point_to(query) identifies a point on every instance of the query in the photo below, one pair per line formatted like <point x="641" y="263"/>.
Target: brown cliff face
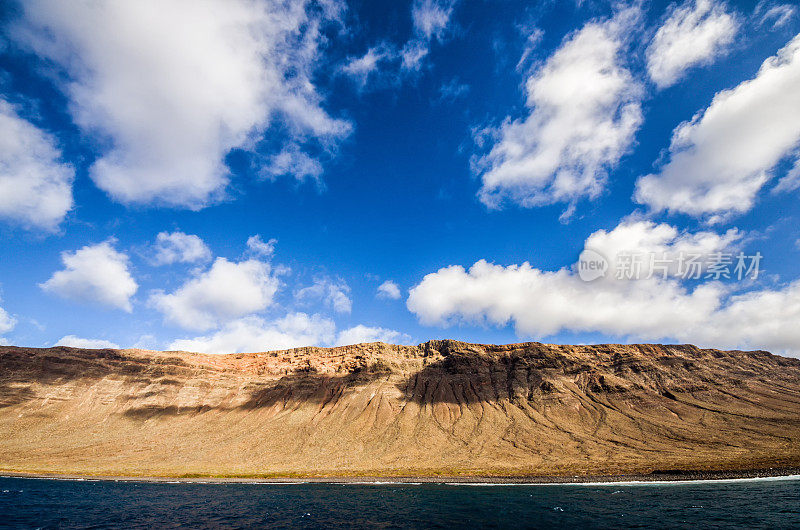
<point x="443" y="407"/>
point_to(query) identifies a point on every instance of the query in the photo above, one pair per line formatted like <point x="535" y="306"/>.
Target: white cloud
<point x="179" y="247"/>
<point x="694" y="34"/>
<point x="7" y="322"/>
<point x="776" y="14"/>
<point x="722" y="158"/>
<point x="35" y="186"/>
<point x="360" y="68"/>
<point x="453" y="90"/>
<point x="584" y="110"/>
<point x="662" y="241"/>
<point x="542" y="303"/>
<point x="361" y="334"/>
<point x="335" y="294"/>
<point x="94" y="273"/>
<point x="291" y="160"/>
<point x="169" y="87"/>
<point x="533" y="38"/>
<point x="431" y="17"/>
<point x="761" y="319"/>
<point x="254" y="334"/>
<point x="389" y="289"/>
<point x="259" y="247"/>
<point x="430" y="21"/>
<point x="545" y="302"/>
<point x="413" y="54"/>
<point x="790" y="181"/>
<point x="77" y="342"/>
<point x="224" y="292"/>
<point x="146" y="342"/>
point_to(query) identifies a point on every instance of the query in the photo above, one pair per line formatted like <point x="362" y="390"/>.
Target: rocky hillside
<point x="440" y="408"/>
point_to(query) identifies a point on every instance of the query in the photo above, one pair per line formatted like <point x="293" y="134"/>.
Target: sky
<point x="238" y="175"/>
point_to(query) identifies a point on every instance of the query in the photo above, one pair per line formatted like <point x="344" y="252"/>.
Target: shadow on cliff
<point x="21" y="368"/>
<point x="537" y="373"/>
<point x="62" y="364"/>
<point x="464" y="378"/>
<point x="289" y="391"/>
<point x="451" y="372"/>
<point x="457" y="376"/>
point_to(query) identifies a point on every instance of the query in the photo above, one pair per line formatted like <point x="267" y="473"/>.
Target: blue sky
<point x="460" y="154"/>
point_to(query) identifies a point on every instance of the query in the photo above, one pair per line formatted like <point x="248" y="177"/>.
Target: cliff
<point x="440" y="408"/>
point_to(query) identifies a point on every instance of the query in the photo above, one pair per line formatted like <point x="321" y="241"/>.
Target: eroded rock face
<point x="443" y="407"/>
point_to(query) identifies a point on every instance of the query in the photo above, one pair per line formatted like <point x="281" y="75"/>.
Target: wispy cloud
<point x="431" y="20"/>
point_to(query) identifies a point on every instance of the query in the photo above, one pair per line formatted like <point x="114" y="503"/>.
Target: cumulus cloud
<point x="223" y="293"/>
<point x="661" y="241"/>
<point x="254" y="334"/>
<point x="694" y="34"/>
<point x="583" y="112"/>
<point x="7" y="322"/>
<point x="389" y="289"/>
<point x="259" y="247"/>
<point x="652" y="308"/>
<point x="361" y="334"/>
<point x="179" y="247"/>
<point x="758" y="319"/>
<point x="545" y="302"/>
<point x="720" y="160"/>
<point x="542" y="303"/>
<point x="94" y="273"/>
<point x="333" y="293"/>
<point x="77" y="342"/>
<point x="35" y="185"/>
<point x="169" y="87"/>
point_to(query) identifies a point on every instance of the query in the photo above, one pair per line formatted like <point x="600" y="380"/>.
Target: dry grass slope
<point x="440" y="408"/>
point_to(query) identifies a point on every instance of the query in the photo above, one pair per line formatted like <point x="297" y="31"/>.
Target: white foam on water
<point x="665" y="482"/>
<point x="629" y="482"/>
<point x="280" y="483"/>
<point x="378" y="483"/>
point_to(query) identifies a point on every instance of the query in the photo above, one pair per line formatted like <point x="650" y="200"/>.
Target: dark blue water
<point x="35" y="503"/>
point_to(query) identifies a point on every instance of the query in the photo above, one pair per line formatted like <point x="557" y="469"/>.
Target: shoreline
<point x="658" y="477"/>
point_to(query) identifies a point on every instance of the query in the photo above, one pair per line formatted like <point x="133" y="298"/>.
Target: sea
<point x="743" y="503"/>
